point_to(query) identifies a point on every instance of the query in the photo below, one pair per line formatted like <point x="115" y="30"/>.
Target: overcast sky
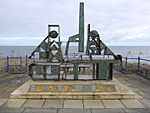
<point x="119" y="22"/>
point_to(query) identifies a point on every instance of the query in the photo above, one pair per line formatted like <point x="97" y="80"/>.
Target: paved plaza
<point x="136" y="83"/>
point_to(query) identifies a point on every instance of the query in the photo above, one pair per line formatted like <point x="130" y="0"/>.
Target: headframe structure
<point x="50" y="63"/>
<point x="80" y="36"/>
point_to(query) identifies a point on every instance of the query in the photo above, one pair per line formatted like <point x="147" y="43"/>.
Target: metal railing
<point x="137" y="65"/>
<point x="3" y="65"/>
<point x="14" y="65"/>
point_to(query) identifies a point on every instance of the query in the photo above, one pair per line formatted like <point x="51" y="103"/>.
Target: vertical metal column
<point x="88" y="38"/>
<point x="139" y="72"/>
<point x="93" y="70"/>
<point x="97" y="71"/>
<point x="44" y="70"/>
<point x="7" y="63"/>
<point x="75" y="70"/>
<point x="120" y="66"/>
<point x="20" y="65"/>
<point x="126" y="65"/>
<point x="81" y="28"/>
<point x="111" y="71"/>
<point x="26" y="63"/>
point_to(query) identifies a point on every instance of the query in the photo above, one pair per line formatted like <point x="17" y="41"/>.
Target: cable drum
<point x="53" y="34"/>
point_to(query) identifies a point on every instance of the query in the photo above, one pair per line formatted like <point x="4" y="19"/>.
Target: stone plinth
<point x="73" y="90"/>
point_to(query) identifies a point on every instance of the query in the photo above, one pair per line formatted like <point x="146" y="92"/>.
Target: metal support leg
<point x="45" y="70"/>
<point x="79" y="69"/>
<point x="97" y="71"/>
<point x="84" y="70"/>
<point x="111" y="71"/>
<point x="93" y="70"/>
<point x="75" y="71"/>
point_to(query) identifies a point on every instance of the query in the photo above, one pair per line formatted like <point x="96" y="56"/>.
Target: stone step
<point x="73" y="90"/>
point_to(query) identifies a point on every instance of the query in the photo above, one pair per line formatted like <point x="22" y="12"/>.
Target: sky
<point x="119" y="22"/>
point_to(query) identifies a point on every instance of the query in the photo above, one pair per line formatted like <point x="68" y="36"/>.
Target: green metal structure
<point x="50" y="63"/>
<point x="80" y="36"/>
<point x="81" y="28"/>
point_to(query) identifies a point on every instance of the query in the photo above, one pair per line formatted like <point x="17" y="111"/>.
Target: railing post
<point x="7" y="64"/>
<point x="20" y="65"/>
<point x="120" y="66"/>
<point x="139" y="65"/>
<point x="126" y="65"/>
<point x="26" y="63"/>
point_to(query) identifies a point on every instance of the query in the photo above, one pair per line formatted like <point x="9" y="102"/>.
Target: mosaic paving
<point x="72" y="88"/>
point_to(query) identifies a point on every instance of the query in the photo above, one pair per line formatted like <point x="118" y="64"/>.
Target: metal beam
<point x="81" y="28"/>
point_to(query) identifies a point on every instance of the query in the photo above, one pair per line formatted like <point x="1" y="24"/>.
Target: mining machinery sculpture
<point x="49" y="62"/>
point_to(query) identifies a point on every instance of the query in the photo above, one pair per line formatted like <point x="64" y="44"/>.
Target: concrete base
<point x="121" y="91"/>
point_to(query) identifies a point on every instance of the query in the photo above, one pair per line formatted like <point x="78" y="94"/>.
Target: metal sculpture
<point x="52" y="64"/>
<point x="49" y="55"/>
<point x="80" y="36"/>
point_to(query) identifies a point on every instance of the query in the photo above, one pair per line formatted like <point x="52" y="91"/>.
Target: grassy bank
<point x="3" y="65"/>
<point x="132" y="67"/>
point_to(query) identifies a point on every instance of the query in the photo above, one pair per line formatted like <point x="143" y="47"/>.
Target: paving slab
<point x="2" y="101"/>
<point x="145" y="102"/>
<point x="14" y="103"/>
<point x="34" y="103"/>
<point x="51" y="103"/>
<point x="11" y="110"/>
<point x="74" y="111"/>
<point x="28" y="110"/>
<point x="113" y="104"/>
<point x="73" y="104"/>
<point x="146" y="96"/>
<point x="132" y="104"/>
<point x="137" y="110"/>
<point x="93" y="104"/>
<point x="115" y="110"/>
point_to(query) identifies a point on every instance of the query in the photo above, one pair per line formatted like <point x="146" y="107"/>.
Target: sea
<point x="130" y="51"/>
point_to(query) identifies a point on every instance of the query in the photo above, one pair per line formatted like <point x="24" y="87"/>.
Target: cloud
<point x="118" y="21"/>
<point x="20" y="41"/>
